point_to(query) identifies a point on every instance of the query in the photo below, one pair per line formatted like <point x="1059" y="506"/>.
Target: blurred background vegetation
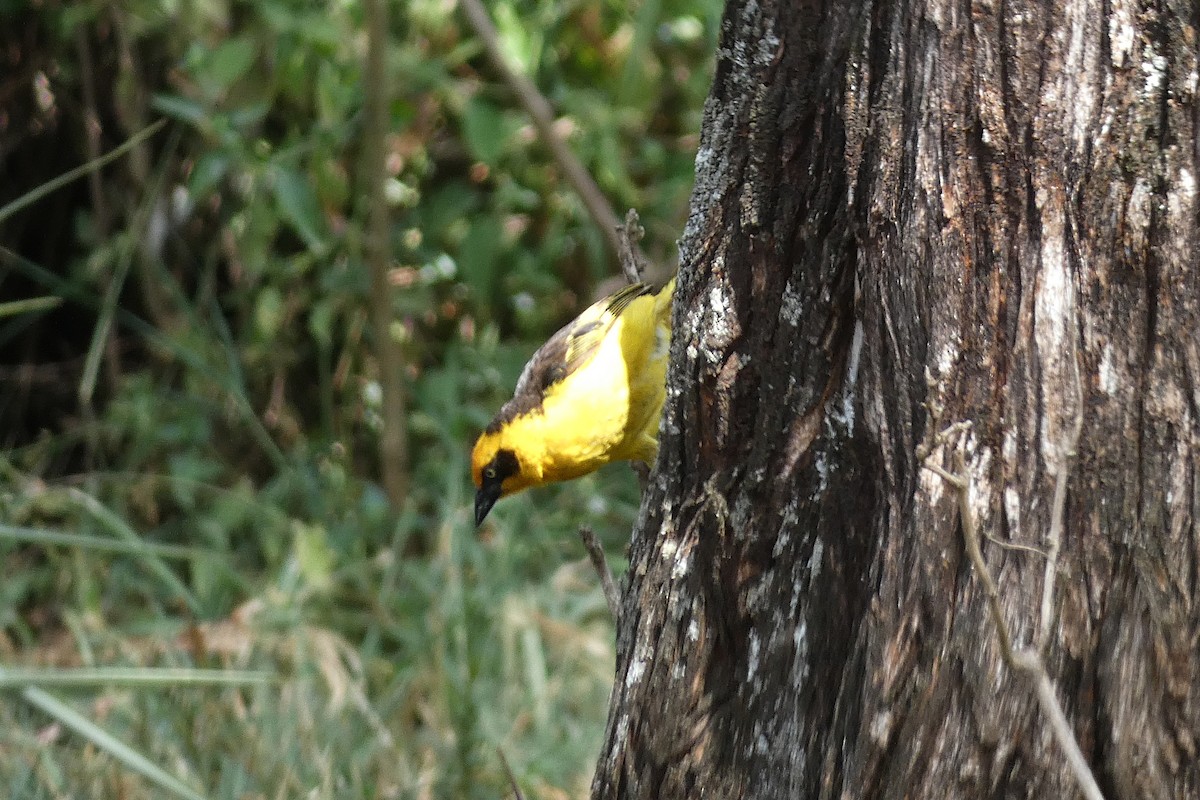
<point x="205" y="591"/>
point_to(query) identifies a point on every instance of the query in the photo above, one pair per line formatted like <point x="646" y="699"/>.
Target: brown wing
<point x="564" y="352"/>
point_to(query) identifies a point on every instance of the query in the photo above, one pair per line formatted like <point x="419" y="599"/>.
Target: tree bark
<point x="907" y="216"/>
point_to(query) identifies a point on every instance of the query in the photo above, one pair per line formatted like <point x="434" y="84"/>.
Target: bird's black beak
<point x="485" y="497"/>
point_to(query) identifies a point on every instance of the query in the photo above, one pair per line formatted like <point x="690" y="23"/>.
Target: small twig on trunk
<point x="962" y="484"/>
<point x="1027" y="661"/>
<point x="1031" y="664"/>
<point x="1009" y="544"/>
<point x="512" y="779"/>
<point x="596" y="553"/>
<point x="633" y="264"/>
<point x="1062" y="458"/>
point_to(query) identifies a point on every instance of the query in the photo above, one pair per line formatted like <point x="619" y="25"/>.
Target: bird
<point x="591" y="395"/>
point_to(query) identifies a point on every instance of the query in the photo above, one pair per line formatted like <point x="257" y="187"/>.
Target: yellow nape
<point x="605" y="409"/>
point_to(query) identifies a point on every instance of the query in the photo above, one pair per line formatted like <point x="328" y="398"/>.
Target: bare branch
<point x="512" y="779"/>
<point x="596" y="553"/>
<point x="542" y="114"/>
<point x="1009" y="544"/>
<point x="1030" y="663"/>
<point x="971" y="536"/>
<point x="633" y="264"/>
<point x="1058" y="511"/>
<point x="1027" y="662"/>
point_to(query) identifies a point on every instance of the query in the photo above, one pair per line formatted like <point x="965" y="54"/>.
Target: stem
<point x="393" y="441"/>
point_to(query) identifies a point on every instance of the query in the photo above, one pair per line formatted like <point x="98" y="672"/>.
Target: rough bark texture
<point x="989" y="209"/>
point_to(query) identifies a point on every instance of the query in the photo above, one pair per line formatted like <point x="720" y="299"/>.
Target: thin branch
<point x="1026" y="661"/>
<point x="971" y="536"/>
<point x="512" y="779"/>
<point x="1053" y="546"/>
<point x="393" y="439"/>
<point x="542" y="114"/>
<point x="1057" y="513"/>
<point x="633" y="264"/>
<point x="596" y="553"/>
<point x="1030" y="663"/>
<point x="948" y="477"/>
<point x="1009" y="544"/>
<point x="32" y="196"/>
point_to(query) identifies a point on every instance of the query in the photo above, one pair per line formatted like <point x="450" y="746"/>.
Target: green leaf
<point x="478" y="256"/>
<point x="209" y="170"/>
<point x="269" y="312"/>
<point x="54" y="538"/>
<point x="483" y="128"/>
<point x="321" y="319"/>
<point x="297" y="203"/>
<point x="521" y="43"/>
<point x="181" y="108"/>
<point x="450" y="201"/>
<point x="167" y="678"/>
<point x="121" y="529"/>
<point x="29" y="305"/>
<point x="313" y="553"/>
<point x="103" y="740"/>
<point x="228" y="63"/>
<point x="190" y="470"/>
<point x="248" y="116"/>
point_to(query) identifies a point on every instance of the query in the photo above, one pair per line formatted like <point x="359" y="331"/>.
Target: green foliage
<point x="207" y="499"/>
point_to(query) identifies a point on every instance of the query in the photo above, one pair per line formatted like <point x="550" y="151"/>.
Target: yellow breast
<point x="607" y="410"/>
<point x="602" y="412"/>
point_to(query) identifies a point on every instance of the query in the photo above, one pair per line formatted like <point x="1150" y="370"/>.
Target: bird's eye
<point x="490" y="473"/>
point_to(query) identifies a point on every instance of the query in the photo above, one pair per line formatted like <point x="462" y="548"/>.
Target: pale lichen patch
<point x="752" y="656"/>
<point x="1012" y="511"/>
<point x="1108" y="374"/>
<point x="1120" y="33"/>
<point x="1054" y="329"/>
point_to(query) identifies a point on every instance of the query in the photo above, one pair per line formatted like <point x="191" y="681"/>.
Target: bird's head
<point x="497" y="472"/>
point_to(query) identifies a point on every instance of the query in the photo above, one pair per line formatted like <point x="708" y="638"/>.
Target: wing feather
<point x="565" y="352"/>
<point x="590" y="327"/>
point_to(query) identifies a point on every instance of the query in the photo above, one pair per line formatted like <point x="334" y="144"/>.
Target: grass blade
<point x="31" y="197"/>
<point x="51" y="538"/>
<point x="29" y="305"/>
<point x="136" y="761"/>
<point x="167" y="677"/>
<point x="120" y="529"/>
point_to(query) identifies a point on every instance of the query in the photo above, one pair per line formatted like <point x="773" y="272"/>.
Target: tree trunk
<point x="908" y="216"/>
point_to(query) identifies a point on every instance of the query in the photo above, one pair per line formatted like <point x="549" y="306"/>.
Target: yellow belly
<point x="609" y="409"/>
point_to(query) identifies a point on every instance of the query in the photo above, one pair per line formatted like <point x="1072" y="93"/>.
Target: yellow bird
<point x="590" y="395"/>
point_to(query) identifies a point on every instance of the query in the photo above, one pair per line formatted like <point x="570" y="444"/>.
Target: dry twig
<point x="542" y="114"/>
<point x="633" y="263"/>
<point x="1066" y="452"/>
<point x="1026" y="661"/>
<point x="512" y="779"/>
<point x="596" y="553"/>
